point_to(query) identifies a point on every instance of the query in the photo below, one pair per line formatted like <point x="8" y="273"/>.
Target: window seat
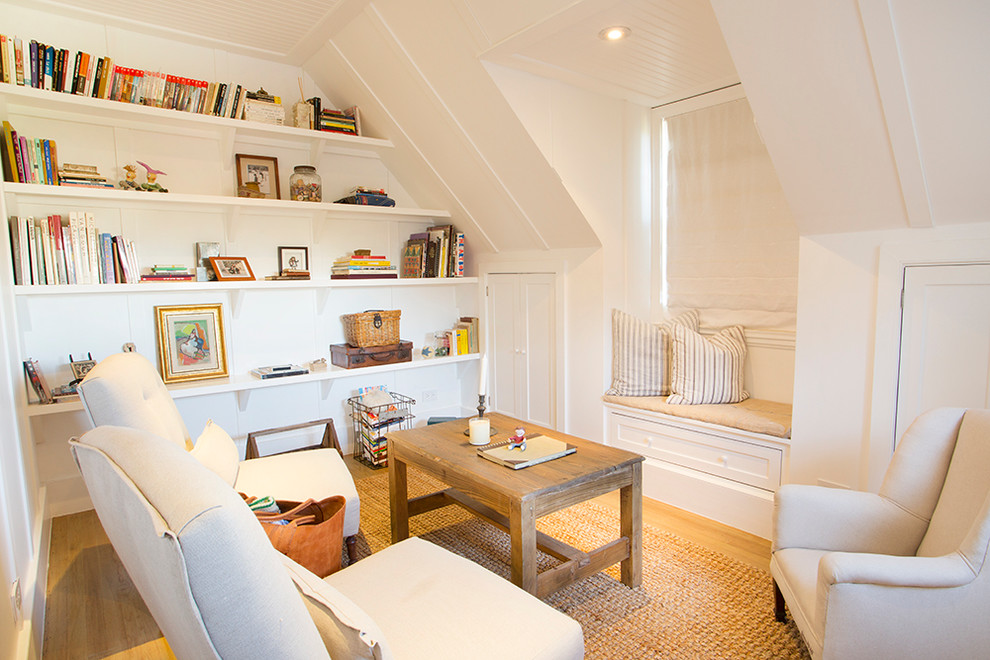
<point x="721" y="461"/>
<point x="754" y="415"/>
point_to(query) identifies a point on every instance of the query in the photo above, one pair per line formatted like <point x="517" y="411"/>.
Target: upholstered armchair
<point x="900" y="573"/>
<point x="218" y="589"/>
<point x="125" y="390"/>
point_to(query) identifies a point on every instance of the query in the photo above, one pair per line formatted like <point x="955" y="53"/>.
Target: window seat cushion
<point x="754" y="415"/>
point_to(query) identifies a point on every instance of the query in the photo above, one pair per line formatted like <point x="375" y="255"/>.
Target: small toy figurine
<point x="130" y="178"/>
<point x="152" y="175"/>
<point x="427" y="352"/>
<point x="518" y="441"/>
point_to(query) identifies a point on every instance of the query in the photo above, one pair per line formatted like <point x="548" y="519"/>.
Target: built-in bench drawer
<point x="728" y="454"/>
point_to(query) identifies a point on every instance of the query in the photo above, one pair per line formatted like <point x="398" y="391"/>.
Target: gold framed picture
<point x="257" y="176"/>
<point x="191" y="342"/>
<point x="232" y="269"/>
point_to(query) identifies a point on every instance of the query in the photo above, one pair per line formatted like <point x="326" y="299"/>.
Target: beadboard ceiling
<point x="675" y="49"/>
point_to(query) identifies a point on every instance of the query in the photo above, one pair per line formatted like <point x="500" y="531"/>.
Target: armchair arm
<point x="329" y="438"/>
<point x="947" y="571"/>
<point x="844" y="521"/>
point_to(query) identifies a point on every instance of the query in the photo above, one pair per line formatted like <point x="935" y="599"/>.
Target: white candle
<point x="483" y="376"/>
<point x="480" y="430"/>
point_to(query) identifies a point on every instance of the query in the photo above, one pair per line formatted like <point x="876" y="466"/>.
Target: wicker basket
<point x="372" y="328"/>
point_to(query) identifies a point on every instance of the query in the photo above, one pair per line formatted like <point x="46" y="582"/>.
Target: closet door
<point x="522" y="309"/>
<point x="945" y="340"/>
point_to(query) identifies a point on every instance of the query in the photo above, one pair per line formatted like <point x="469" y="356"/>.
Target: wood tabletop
<point x="445" y="445"/>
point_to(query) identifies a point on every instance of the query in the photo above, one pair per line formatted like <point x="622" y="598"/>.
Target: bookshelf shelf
<point x="87" y="110"/>
<point x="259" y="285"/>
<point x="246" y="383"/>
<point x="105" y="197"/>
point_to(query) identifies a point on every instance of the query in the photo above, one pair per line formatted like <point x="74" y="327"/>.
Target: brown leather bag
<point x="312" y="535"/>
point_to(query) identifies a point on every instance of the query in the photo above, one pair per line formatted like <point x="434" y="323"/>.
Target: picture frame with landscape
<point x="191" y="342"/>
<point x="232" y="269"/>
<point x="257" y="176"/>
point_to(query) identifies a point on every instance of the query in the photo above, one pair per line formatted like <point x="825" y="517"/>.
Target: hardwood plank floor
<point x="94" y="611"/>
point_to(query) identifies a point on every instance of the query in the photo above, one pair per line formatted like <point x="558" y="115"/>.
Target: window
<point x="728" y="245"/>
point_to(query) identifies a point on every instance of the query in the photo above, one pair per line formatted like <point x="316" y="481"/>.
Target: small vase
<point x="305" y="184"/>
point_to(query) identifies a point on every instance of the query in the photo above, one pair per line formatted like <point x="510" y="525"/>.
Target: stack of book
<point x="69" y="249"/>
<point x="168" y="273"/>
<point x="341" y="121"/>
<point x="86" y="176"/>
<point x="28" y="160"/>
<point x="290" y="275"/>
<point x="367" y="197"/>
<point x="362" y="265"/>
<point x="34" y="64"/>
<point x="437" y="252"/>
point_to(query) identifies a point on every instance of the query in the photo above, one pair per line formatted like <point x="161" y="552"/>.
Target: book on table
<point x="539" y="449"/>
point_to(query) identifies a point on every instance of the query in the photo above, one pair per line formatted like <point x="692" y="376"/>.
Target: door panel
<point x="945" y="340"/>
<point x="537" y="352"/>
<point x="502" y="312"/>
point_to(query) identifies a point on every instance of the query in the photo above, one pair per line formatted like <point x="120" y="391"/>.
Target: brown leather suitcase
<point x="352" y="357"/>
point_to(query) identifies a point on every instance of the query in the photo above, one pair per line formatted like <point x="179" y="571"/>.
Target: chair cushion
<point x="216" y="450"/>
<point x="707" y="369"/>
<point x="225" y="577"/>
<point x="347" y="631"/>
<point x="316" y="473"/>
<point x="431" y="603"/>
<point x="796" y="573"/>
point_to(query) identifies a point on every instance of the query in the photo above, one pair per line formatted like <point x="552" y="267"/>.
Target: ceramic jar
<point x="305" y="184"/>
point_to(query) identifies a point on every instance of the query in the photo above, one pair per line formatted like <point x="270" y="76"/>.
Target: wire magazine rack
<point x="371" y="423"/>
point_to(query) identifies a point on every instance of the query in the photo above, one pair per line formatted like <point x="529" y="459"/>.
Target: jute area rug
<point x="693" y="603"/>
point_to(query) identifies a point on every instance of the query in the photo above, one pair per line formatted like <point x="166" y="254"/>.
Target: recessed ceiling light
<point x="614" y="33"/>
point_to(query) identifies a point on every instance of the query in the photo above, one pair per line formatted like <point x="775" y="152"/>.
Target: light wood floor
<point x="94" y="611"/>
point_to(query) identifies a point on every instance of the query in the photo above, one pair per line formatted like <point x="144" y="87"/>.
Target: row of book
<point x="462" y="339"/>
<point x="69" y="249"/>
<point x="437" y="252"/>
<point x="42" y="66"/>
<point x="362" y="265"/>
<point x="28" y="160"/>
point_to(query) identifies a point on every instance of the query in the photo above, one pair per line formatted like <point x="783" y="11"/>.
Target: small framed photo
<point x="232" y="269"/>
<point x="191" y="342"/>
<point x="293" y="260"/>
<point x="257" y="176"/>
<point x="81" y="367"/>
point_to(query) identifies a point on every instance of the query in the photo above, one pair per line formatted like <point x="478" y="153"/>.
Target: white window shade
<point x="731" y="243"/>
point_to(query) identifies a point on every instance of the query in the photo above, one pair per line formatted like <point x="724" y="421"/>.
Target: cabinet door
<point x="945" y="351"/>
<point x="522" y="310"/>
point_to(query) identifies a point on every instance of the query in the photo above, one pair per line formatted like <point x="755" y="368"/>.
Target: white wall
<point x="837" y="391"/>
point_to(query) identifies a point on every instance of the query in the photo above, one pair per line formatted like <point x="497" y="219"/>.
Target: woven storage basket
<point x="372" y="328"/>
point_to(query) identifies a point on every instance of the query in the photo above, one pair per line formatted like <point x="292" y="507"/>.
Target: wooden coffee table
<point x="514" y="499"/>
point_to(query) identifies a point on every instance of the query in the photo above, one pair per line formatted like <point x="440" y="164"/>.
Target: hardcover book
<point x="538" y="449"/>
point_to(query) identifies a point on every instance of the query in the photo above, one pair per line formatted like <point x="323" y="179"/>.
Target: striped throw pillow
<point x="707" y="369"/>
<point x="641" y="354"/>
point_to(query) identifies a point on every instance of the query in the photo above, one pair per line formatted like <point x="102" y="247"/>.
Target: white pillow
<point x="216" y="450"/>
<point x="346" y="629"/>
<point x="641" y="354"/>
<point x="707" y="370"/>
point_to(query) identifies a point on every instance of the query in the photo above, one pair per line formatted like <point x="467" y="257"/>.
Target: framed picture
<point x="191" y="342"/>
<point x="293" y="259"/>
<point x="231" y="268"/>
<point x="257" y="176"/>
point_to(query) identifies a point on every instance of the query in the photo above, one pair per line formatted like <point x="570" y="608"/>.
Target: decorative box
<point x="352" y="357"/>
<point x="376" y="327"/>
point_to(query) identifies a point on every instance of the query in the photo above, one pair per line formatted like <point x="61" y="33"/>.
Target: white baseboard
<point x="734" y="504"/>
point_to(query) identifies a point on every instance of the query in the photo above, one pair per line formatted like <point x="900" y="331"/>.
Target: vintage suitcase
<point x="351" y="357"/>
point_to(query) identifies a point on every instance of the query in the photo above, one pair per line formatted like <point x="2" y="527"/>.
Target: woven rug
<point x="693" y="603"/>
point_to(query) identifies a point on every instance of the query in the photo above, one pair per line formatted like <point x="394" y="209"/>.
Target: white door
<point x="945" y="340"/>
<point x="522" y="313"/>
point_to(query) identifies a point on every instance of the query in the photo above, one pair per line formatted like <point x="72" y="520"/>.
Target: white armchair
<point x="899" y="573"/>
<point x="125" y="390"/>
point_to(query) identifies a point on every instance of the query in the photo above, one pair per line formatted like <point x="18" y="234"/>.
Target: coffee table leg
<point x="398" y="497"/>
<point x="522" y="535"/>
<point x="631" y="513"/>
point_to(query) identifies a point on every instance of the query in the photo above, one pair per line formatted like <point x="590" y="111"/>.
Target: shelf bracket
<point x="227" y="138"/>
<point x="232" y="220"/>
<point x="243" y="396"/>
<point x="236" y="298"/>
<point x="321" y="225"/>
<point x="322" y="296"/>
<point x="315" y="151"/>
<point x="325" y="387"/>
